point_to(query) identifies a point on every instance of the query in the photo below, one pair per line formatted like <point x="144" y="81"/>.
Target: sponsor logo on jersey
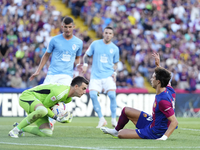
<point x="104" y="58"/>
<point x="73" y="46"/>
<point x="111" y="51"/>
<point x="53" y="98"/>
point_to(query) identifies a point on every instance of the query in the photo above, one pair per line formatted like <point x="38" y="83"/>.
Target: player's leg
<point x="126" y="115"/>
<point x="113" y="106"/>
<point x="128" y="134"/>
<point x="141" y="121"/>
<point x="109" y="86"/>
<point x="35" y="110"/>
<point x="94" y="86"/>
<point x="42" y="129"/>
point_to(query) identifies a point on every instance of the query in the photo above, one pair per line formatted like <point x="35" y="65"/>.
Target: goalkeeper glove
<point x="67" y="118"/>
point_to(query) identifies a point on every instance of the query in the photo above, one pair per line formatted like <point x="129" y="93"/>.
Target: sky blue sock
<point x="113" y="103"/>
<point x="96" y="105"/>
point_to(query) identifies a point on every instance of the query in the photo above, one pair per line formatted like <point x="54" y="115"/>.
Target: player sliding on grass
<point x="162" y="122"/>
<point x="38" y="101"/>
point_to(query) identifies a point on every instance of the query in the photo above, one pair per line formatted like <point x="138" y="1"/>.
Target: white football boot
<point x="112" y="132"/>
<point x="102" y="122"/>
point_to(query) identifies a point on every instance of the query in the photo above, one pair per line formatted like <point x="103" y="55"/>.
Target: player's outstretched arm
<point x="171" y="127"/>
<point x="43" y="61"/>
<point x="157" y="58"/>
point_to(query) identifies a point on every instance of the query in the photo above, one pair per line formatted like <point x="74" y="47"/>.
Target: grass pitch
<point x="81" y="133"/>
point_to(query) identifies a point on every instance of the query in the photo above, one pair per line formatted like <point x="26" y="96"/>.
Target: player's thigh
<point x="144" y="120"/>
<point x="109" y="84"/>
<point x="132" y="114"/>
<point x="43" y="122"/>
<point x="128" y="134"/>
<point x="95" y="84"/>
<point x="28" y="102"/>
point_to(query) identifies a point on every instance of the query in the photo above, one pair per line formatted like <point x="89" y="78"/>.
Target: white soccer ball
<point x="59" y="109"/>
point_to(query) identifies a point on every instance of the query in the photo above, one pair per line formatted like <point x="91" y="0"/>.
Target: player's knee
<point x="47" y="132"/>
<point x="112" y="95"/>
<point x="120" y="136"/>
<point x="93" y="95"/>
<point x="42" y="110"/>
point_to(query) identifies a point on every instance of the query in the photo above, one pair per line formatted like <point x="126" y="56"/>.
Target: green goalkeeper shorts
<point x="28" y="102"/>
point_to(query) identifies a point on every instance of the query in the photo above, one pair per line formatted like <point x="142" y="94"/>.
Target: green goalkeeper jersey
<point x="50" y="94"/>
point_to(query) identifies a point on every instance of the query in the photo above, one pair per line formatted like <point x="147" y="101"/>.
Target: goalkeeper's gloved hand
<point x="67" y="118"/>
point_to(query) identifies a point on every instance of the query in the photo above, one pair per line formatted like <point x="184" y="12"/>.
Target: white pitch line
<point x="99" y="148"/>
<point x="190" y="129"/>
<point x="65" y="146"/>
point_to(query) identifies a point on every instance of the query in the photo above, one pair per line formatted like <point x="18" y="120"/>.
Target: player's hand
<point x="33" y="76"/>
<point x="157" y="59"/>
<point x="67" y="118"/>
<point x="84" y="69"/>
<point x="114" y="77"/>
<point x="79" y="68"/>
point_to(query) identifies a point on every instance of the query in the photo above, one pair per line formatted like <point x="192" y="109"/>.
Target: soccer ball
<point x="59" y="109"/>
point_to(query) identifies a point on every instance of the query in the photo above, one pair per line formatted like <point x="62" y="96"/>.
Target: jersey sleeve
<point x="90" y="50"/>
<point x="50" y="46"/>
<point x="166" y="108"/>
<point x="79" y="52"/>
<point x="67" y="100"/>
<point x="116" y="56"/>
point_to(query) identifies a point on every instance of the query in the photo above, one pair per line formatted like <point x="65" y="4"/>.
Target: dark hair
<point x="163" y="75"/>
<point x="79" y="80"/>
<point x="68" y="20"/>
<point x="109" y="28"/>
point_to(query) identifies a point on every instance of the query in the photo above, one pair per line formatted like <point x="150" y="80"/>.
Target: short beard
<point x="107" y="41"/>
<point x="67" y="35"/>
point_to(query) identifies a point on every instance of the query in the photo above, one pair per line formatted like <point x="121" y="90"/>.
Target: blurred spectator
<point x="139" y="80"/>
<point x="175" y="79"/>
<point x="3" y="48"/>
<point x="3" y="78"/>
<point x="40" y="50"/>
<point x="121" y="80"/>
<point x="192" y="82"/>
<point x="16" y="80"/>
<point x="11" y="68"/>
<point x="183" y="83"/>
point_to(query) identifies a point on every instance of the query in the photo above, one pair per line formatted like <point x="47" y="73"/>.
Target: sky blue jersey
<point x="104" y="58"/>
<point x="64" y="53"/>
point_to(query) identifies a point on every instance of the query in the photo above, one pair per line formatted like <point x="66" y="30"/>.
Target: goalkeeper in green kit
<point x="37" y="102"/>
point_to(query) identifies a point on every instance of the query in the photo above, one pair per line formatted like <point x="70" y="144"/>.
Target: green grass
<point x="81" y="133"/>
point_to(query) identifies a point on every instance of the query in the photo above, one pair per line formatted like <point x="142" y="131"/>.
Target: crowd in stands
<point x="169" y="27"/>
<point x="26" y="27"/>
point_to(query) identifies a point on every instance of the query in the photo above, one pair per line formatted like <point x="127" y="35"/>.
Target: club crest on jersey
<point x="145" y="115"/>
<point x="53" y="98"/>
<point x="154" y="105"/>
<point x="111" y="51"/>
<point x="73" y="46"/>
